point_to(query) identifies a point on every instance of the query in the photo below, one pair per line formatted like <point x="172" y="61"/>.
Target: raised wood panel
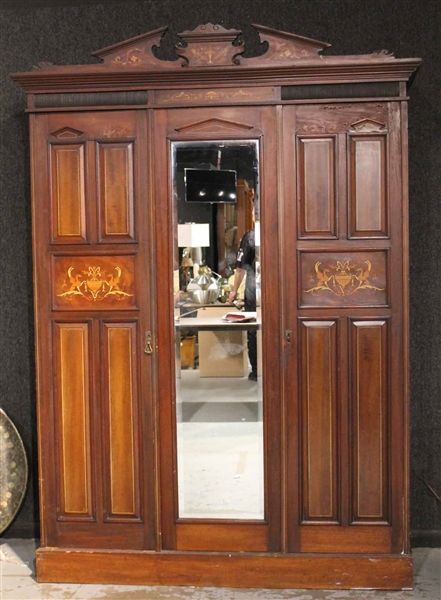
<point x="121" y="418"/>
<point x="337" y="117"/>
<point x="68" y="192"/>
<point x="318" y="370"/>
<point x="316" y="186"/>
<point x="333" y="539"/>
<point x="368" y="186"/>
<point x="343" y="279"/>
<point x="93" y="282"/>
<point x="116" y="190"/>
<point x="73" y="424"/>
<point x="222" y="537"/>
<point x="369" y="409"/>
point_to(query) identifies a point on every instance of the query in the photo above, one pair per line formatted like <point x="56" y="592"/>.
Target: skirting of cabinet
<point x="310" y="571"/>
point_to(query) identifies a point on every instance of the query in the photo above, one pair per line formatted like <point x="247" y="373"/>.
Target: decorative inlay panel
<point x="68" y="192"/>
<point x="94" y="282"/>
<point x="119" y="344"/>
<point x="71" y="344"/>
<point x="116" y="190"/>
<point x="215" y="96"/>
<point x="343" y="279"/>
<point x="368" y="186"/>
<point x="369" y="355"/>
<point x="318" y="368"/>
<point x="316" y="186"/>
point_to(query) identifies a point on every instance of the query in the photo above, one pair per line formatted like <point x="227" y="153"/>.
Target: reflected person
<point x="246" y="265"/>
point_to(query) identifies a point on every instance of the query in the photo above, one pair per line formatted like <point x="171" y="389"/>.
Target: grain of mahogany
<point x="333" y="190"/>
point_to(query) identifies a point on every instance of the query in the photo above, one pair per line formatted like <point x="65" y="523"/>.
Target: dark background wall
<point x="68" y="34"/>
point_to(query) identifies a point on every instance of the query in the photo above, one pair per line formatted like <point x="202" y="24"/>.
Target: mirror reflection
<point x="218" y="329"/>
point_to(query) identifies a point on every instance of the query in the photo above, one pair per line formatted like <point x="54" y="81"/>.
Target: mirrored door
<point x="223" y="490"/>
<point x="218" y="329"/>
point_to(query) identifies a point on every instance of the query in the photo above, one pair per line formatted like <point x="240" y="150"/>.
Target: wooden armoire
<point x="330" y="137"/>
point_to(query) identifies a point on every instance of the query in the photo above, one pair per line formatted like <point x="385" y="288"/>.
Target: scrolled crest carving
<point x="211" y="45"/>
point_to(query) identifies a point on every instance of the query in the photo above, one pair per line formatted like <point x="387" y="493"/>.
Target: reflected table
<point x="222" y="344"/>
<point x="215" y="324"/>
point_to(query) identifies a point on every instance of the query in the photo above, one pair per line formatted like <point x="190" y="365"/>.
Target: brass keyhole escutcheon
<point x="148" y="348"/>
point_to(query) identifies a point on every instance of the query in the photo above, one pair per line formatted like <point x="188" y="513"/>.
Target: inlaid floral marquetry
<point x="94" y="282"/>
<point x="94" y="285"/>
<point x="220" y="96"/>
<point x="343" y="278"/>
<point x="352" y="279"/>
<point x="136" y="56"/>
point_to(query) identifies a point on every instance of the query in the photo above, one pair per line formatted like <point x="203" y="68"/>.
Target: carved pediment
<point x="67" y="133"/>
<point x="211" y="54"/>
<point x="214" y="126"/>
<point x="368" y="126"/>
<point x="211" y="45"/>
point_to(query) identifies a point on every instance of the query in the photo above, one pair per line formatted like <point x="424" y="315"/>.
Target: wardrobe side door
<point x="93" y="305"/>
<point x="219" y="409"/>
<point x="344" y="303"/>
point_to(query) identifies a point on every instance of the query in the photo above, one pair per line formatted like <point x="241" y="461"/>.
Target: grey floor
<point x="17" y="569"/>
<point x="220" y="447"/>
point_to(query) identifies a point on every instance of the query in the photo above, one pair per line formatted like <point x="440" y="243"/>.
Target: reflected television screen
<point x="210" y="186"/>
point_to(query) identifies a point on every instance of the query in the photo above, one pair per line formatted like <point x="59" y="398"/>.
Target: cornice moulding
<point x="79" y="77"/>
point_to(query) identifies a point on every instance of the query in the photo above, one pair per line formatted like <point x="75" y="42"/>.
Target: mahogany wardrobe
<point x="289" y="469"/>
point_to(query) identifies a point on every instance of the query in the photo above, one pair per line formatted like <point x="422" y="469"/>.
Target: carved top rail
<point x="209" y="49"/>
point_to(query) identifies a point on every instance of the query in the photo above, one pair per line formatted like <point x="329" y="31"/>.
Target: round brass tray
<point x="13" y="471"/>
